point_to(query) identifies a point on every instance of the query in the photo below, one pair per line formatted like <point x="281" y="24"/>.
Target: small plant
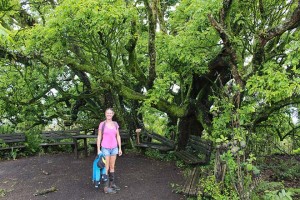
<point x="285" y="169"/>
<point x="269" y="186"/>
<point x="2" y="144"/>
<point x="296" y="151"/>
<point x="264" y="186"/>
<point x="2" y="192"/>
<point x="180" y="164"/>
<point x="234" y="176"/>
<point x="278" y="195"/>
<point x="295" y="192"/>
<point x="176" y="188"/>
<point x="154" y="153"/>
<point x="14" y="153"/>
<point x="215" y="190"/>
<point x="32" y="142"/>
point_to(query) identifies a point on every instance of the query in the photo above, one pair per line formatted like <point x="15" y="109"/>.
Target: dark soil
<point x="282" y="168"/>
<point x="61" y="176"/>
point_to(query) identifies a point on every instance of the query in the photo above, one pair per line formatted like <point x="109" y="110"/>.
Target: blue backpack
<point x="99" y="174"/>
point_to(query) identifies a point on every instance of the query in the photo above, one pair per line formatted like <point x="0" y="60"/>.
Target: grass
<point x="3" y="192"/>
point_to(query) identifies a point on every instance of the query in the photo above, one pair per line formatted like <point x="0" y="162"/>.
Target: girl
<point x="110" y="142"/>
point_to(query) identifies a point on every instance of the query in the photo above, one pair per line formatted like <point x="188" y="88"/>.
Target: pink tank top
<point x="109" y="135"/>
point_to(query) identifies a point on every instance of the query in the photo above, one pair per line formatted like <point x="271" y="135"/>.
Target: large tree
<point x="83" y="56"/>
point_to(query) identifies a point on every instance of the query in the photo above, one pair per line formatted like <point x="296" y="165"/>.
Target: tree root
<point x="46" y="191"/>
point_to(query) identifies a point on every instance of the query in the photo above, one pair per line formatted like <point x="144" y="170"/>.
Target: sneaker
<point x="115" y="187"/>
<point x="104" y="177"/>
<point x="109" y="191"/>
<point x="97" y="184"/>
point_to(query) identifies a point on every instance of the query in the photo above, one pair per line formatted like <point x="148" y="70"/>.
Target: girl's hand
<point x="120" y="152"/>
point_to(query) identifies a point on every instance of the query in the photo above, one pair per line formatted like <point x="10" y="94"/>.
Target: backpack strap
<point x="116" y="124"/>
<point x="102" y="129"/>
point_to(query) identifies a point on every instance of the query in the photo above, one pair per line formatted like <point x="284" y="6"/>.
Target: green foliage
<point x="6" y="128"/>
<point x="234" y="172"/>
<point x="295" y="192"/>
<point x="214" y="190"/>
<point x="180" y="164"/>
<point x="154" y="120"/>
<point x="94" y="26"/>
<point x="278" y="195"/>
<point x="194" y="44"/>
<point x="239" y="172"/>
<point x="269" y="186"/>
<point x="64" y="62"/>
<point x="268" y="88"/>
<point x="32" y="141"/>
<point x="284" y="169"/>
<point x="274" y="84"/>
<point x="9" y="154"/>
<point x="176" y="188"/>
<point x="13" y="153"/>
<point x="155" y="154"/>
<point x="275" y="190"/>
<point x="2" y="192"/>
<point x="296" y="151"/>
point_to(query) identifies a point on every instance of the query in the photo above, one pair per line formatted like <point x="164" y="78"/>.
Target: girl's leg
<point x="112" y="172"/>
<point x="112" y="163"/>
<point x="107" y="189"/>
<point x="107" y="161"/>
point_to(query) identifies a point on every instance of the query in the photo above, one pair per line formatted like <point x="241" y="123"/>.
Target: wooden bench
<point x="57" y="138"/>
<point x="192" y="187"/>
<point x="12" y="141"/>
<point x="125" y="138"/>
<point x="197" y="151"/>
<point x="162" y="144"/>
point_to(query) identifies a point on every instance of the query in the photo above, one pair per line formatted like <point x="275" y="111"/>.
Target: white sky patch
<point x="287" y="51"/>
<point x="52" y="92"/>
<point x="144" y="90"/>
<point x="43" y="101"/>
<point x="175" y="88"/>
<point x="295" y="117"/>
<point x="248" y="60"/>
<point x="157" y="27"/>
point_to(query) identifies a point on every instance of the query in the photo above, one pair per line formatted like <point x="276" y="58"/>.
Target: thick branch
<point x="228" y="47"/>
<point x="289" y="24"/>
<point x="225" y="36"/>
<point x="133" y="67"/>
<point x="160" y="15"/>
<point x="266" y="112"/>
<point x="291" y="132"/>
<point x="152" y="19"/>
<point x="14" y="56"/>
<point x="264" y="38"/>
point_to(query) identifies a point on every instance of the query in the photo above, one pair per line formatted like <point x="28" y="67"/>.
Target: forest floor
<point x="282" y="168"/>
<point x="61" y="176"/>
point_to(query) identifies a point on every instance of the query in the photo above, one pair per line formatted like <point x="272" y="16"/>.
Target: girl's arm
<point x="119" y="142"/>
<point x="99" y="138"/>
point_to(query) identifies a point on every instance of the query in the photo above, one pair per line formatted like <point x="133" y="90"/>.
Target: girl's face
<point x="109" y="114"/>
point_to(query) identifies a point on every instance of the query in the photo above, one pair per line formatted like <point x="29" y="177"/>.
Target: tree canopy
<point x="219" y="68"/>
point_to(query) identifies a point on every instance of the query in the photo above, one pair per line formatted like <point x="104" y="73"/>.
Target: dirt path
<point x="138" y="177"/>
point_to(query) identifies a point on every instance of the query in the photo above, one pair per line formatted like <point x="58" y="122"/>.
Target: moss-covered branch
<point x="266" y="112"/>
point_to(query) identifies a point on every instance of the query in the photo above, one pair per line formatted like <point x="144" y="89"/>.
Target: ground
<point x="61" y="176"/>
<point x="282" y="168"/>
